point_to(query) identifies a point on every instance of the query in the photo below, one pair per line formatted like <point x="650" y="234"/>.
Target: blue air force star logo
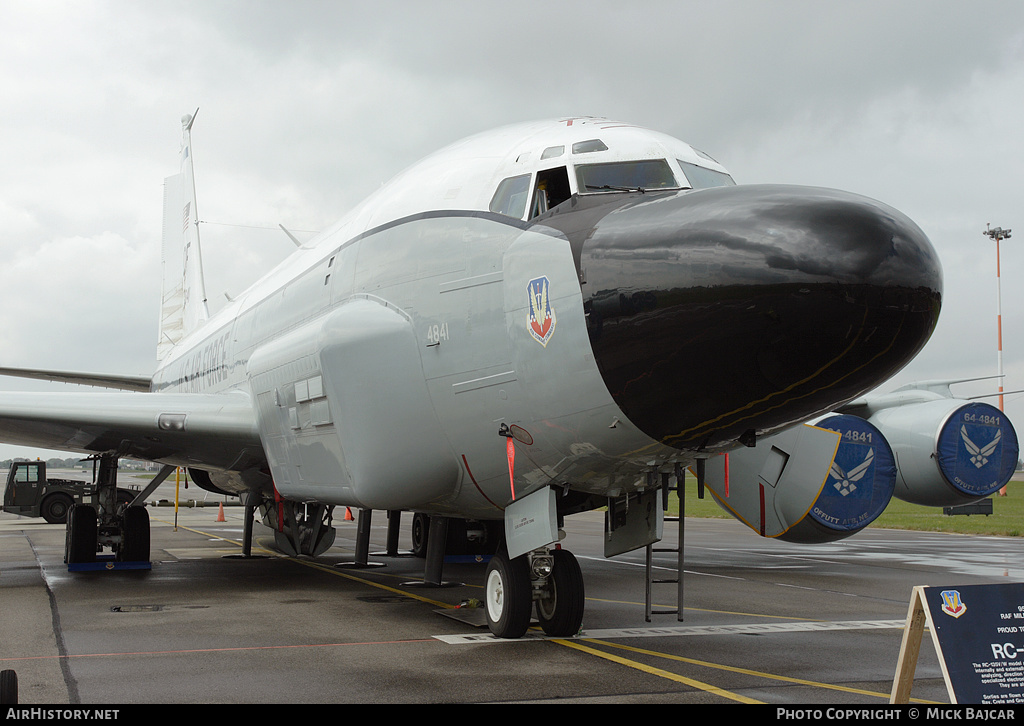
<point x="845" y="480"/>
<point x="980" y="454"/>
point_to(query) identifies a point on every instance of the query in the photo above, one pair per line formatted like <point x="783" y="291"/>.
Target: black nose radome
<point x="720" y="312"/>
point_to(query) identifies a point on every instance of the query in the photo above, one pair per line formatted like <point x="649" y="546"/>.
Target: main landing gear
<point x="107" y="523"/>
<point x="550" y="578"/>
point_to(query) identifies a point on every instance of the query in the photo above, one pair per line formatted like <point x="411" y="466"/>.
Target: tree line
<point x="74" y="462"/>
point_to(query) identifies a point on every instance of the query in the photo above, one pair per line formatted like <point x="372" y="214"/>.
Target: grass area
<point x="1007" y="518"/>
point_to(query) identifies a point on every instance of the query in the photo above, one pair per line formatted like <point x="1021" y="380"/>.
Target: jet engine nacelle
<point x="811" y="484"/>
<point x="948" y="451"/>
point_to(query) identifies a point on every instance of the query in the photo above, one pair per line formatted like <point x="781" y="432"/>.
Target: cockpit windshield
<point x="703" y="178"/>
<point x="625" y="176"/>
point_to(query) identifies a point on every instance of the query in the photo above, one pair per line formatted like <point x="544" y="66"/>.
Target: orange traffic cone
<point x="220" y="514"/>
<point x="348" y="515"/>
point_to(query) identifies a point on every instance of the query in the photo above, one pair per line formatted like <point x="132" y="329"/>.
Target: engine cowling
<point x="824" y="481"/>
<point x="948" y="451"/>
<point x="809" y="484"/>
<point x="860" y="483"/>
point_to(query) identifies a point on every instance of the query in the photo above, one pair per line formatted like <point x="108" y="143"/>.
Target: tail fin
<point x="183" y="304"/>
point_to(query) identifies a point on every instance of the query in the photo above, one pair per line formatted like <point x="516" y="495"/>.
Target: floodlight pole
<point x="999" y="234"/>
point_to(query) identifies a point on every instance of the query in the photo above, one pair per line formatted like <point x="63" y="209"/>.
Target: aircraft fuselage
<point x="614" y="328"/>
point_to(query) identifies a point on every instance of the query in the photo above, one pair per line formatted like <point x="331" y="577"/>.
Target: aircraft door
<point x="25" y="487"/>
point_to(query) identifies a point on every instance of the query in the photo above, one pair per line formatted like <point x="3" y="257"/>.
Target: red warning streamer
<point x="510" y="449"/>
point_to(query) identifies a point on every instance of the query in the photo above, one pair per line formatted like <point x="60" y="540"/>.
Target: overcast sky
<point x="307" y="106"/>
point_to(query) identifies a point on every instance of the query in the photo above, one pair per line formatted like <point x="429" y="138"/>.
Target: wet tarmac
<point x="764" y="622"/>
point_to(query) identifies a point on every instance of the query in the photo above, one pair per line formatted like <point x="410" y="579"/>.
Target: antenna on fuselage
<point x="290" y="235"/>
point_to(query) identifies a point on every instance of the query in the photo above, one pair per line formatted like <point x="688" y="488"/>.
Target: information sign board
<point x="978" y="632"/>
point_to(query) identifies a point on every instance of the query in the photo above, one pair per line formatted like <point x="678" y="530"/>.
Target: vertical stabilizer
<point x="183" y="305"/>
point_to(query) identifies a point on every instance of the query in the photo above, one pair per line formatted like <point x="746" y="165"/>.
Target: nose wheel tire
<point x="507" y="595"/>
<point x="560" y="608"/>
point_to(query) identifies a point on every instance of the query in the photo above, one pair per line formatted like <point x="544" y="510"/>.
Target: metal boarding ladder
<point x="679" y="488"/>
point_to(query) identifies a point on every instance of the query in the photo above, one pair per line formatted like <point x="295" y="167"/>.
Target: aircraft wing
<point x="207" y="430"/>
<point x="126" y="383"/>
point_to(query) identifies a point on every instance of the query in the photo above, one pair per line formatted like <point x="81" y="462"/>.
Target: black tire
<point x="55" y="507"/>
<point x="8" y="688"/>
<point x="80" y="541"/>
<point x="508" y="599"/>
<point x="134" y="535"/>
<point x="420" y="530"/>
<point x="560" y="609"/>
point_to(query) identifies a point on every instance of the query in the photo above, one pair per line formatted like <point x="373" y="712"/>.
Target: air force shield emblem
<point x="541" y="322"/>
<point x="952" y="604"/>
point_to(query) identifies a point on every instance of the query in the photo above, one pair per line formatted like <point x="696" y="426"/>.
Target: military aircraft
<point x="534" y="322"/>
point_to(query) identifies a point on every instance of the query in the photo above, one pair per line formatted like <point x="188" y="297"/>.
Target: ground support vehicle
<point x="30" y="493"/>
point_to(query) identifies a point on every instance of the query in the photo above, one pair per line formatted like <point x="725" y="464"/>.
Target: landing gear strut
<point x="551" y="578"/>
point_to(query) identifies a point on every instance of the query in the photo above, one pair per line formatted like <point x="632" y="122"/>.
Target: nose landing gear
<point x="550" y="578"/>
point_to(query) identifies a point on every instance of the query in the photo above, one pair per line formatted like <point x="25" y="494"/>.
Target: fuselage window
<point x="625" y="176"/>
<point x="552" y="152"/>
<point x="551" y="189"/>
<point x="701" y="178"/>
<point x="511" y="196"/>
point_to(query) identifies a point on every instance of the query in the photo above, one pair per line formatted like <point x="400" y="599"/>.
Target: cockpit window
<point x="625" y="176"/>
<point x="701" y="178"/>
<point x="588" y="146"/>
<point x="550" y="190"/>
<point x="511" y="196"/>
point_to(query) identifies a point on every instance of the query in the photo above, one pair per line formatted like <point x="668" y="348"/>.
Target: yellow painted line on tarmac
<point x="738" y="613"/>
<point x="321" y="568"/>
<point x="749" y="672"/>
<point x="406" y="593"/>
<point x="706" y="687"/>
